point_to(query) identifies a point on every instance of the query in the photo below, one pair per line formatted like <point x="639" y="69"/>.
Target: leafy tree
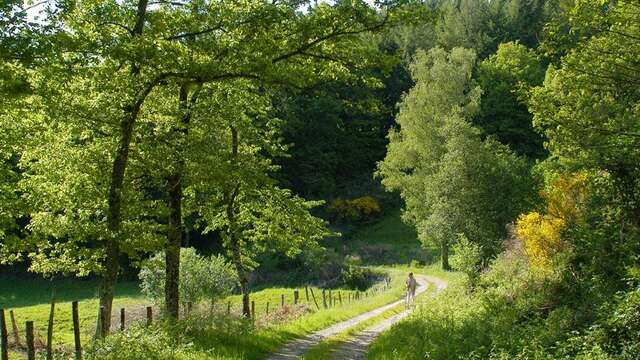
<point x="447" y="176"/>
<point x="22" y="43"/>
<point x="112" y="57"/>
<point x="10" y="204"/>
<point x="231" y="186"/>
<point x="332" y="59"/>
<point x="505" y="77"/>
<point x="337" y="129"/>
<point x="66" y="168"/>
<point x="524" y="20"/>
<point x="466" y="23"/>
<point x="480" y="25"/>
<point x="588" y="107"/>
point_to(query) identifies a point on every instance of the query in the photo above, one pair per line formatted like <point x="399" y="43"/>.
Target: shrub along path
<point x="296" y="349"/>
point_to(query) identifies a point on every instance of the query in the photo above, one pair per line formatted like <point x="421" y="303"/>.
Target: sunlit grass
<point x="30" y="301"/>
<point x="325" y="347"/>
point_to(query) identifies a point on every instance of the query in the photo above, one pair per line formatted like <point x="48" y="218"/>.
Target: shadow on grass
<point x="19" y="292"/>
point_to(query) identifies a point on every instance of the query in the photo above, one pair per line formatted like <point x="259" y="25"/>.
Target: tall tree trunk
<point x="172" y="248"/>
<point x="244" y="290"/>
<point x="231" y="232"/>
<point x="242" y="273"/>
<point x="445" y="255"/>
<point x="175" y="233"/>
<point x="236" y="258"/>
<point x="107" y="287"/>
<point x="237" y="254"/>
<point x="112" y="253"/>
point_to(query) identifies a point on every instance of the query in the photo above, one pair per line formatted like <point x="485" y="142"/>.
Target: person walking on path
<point x="411" y="284"/>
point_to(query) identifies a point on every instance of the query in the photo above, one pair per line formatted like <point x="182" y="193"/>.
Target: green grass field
<point x="390" y="244"/>
<point x="134" y="303"/>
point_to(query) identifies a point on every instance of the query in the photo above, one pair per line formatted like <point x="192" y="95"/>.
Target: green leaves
<point x="231" y="184"/>
<point x="588" y="107"/>
<point x="201" y="278"/>
<point x="104" y="98"/>
<point x="451" y="181"/>
<point x="506" y="78"/>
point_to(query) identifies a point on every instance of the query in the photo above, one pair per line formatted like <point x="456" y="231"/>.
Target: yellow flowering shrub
<point x="542" y="236"/>
<point x="362" y="208"/>
<point x="542" y="233"/>
<point x="564" y="196"/>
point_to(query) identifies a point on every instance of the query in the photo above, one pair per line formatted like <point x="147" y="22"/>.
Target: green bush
<point x="322" y="263"/>
<point x="200" y="277"/>
<point x="197" y="337"/>
<point x="615" y="336"/>
<point x="357" y="277"/>
<point x="467" y="258"/>
<point x="150" y="343"/>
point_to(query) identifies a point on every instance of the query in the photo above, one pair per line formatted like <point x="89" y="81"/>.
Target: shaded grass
<point x="388" y="241"/>
<point x="18" y="292"/>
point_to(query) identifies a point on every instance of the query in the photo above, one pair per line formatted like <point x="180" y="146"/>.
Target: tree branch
<point x="129" y="30"/>
<point x="329" y="36"/>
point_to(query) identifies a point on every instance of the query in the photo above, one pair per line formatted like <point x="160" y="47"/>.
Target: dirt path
<point x="356" y="347"/>
<point x="295" y="349"/>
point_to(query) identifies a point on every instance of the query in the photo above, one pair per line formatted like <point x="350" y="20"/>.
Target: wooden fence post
<point x="76" y="329"/>
<point x="122" y="319"/>
<point x="267" y="308"/>
<point x="4" y="342"/>
<point x="149" y="315"/>
<point x="295" y="297"/>
<point x="229" y="308"/>
<point x="324" y="299"/>
<point x="14" y="326"/>
<point x="50" y="331"/>
<point x="314" y="299"/>
<point x="340" y="297"/>
<point x="31" y="349"/>
<point x="281" y="300"/>
<point x="253" y="310"/>
<point x="306" y="291"/>
<point x="330" y="298"/>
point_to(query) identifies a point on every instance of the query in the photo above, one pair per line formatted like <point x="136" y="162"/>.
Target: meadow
<point x="228" y="336"/>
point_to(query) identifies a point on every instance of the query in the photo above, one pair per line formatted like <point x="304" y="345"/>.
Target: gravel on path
<point x="356" y="347"/>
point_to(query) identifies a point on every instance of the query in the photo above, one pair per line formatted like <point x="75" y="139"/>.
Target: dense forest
<point x="506" y="132"/>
